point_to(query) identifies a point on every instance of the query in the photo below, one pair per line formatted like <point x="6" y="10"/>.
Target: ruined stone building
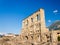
<point x="34" y="32"/>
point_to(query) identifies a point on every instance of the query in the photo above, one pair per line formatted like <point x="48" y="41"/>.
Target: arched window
<point x="38" y="37"/>
<point x="32" y="37"/>
<point x="27" y="22"/>
<point x="31" y="19"/>
<point x="38" y="17"/>
<point x="32" y="44"/>
<point x="47" y="36"/>
<point x="26" y="37"/>
<point x="58" y="33"/>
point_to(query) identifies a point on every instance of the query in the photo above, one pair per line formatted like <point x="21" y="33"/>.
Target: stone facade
<point x="54" y="37"/>
<point x="34" y="32"/>
<point x="33" y="29"/>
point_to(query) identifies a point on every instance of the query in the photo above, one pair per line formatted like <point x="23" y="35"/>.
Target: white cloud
<point x="49" y="21"/>
<point x="55" y="11"/>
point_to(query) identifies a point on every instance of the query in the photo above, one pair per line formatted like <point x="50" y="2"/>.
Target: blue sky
<point x="12" y="12"/>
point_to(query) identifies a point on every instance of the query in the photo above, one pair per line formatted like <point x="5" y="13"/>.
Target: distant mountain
<point x="55" y="25"/>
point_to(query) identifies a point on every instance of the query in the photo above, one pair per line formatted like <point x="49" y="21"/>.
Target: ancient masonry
<point x="34" y="32"/>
